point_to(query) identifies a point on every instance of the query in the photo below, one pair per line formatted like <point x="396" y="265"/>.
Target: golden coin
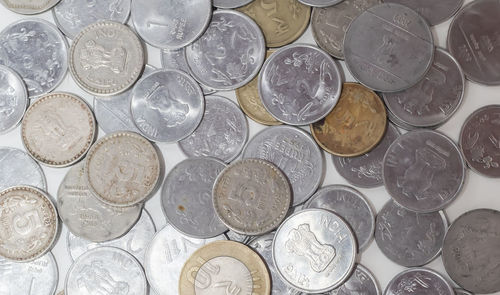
<point x="356" y="124"/>
<point x="281" y="21"/>
<point x="224" y="264"/>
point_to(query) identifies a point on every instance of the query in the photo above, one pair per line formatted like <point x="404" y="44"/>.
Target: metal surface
<point x="13" y="99"/>
<point x="18" y="168"/>
<point x="421" y="281"/>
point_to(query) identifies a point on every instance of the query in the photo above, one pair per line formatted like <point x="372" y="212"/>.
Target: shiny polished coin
<point x="58" y="129"/>
<point x="240" y="238"/>
<point x="321" y="3"/>
<point x="122" y="169"/>
<point x="299" y="84"/>
<point x="29" y="6"/>
<point x="13" y="99"/>
<point x="230" y="3"/>
<point x="422" y="281"/>
<point x="355" y="126"/>
<point x="314" y="251"/>
<point x="106" y="58"/>
<point x="29" y="224"/>
<point x="434" y="12"/>
<point x="251" y="196"/>
<point x="18" y="168"/>
<point x="361" y="281"/>
<point x="389" y="47"/>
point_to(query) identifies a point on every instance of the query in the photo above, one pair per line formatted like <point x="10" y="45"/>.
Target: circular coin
<point x="29" y="6"/>
<point x="434" y="12"/>
<point x="361" y="281"/>
<point x="422" y="281"/>
<point x="321" y="3"/>
<point x="18" y="168"/>
<point x="14" y="99"/>
<point x="230" y="3"/>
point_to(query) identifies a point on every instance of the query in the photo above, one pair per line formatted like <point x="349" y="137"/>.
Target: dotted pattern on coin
<point x="13" y="99"/>
<point x="361" y="281"/>
<point x="434" y="12"/>
<point x="29" y="6"/>
<point x="18" y="168"/>
<point x="422" y="281"/>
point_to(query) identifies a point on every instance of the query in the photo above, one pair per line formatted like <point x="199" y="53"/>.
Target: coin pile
<point x="246" y="215"/>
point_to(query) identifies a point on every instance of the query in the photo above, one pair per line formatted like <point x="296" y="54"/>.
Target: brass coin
<point x="281" y="21"/>
<point x="228" y="264"/>
<point x="356" y="124"/>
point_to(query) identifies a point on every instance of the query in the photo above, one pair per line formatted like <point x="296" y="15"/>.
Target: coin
<point x="480" y="141"/>
<point x="224" y="262"/>
<point x="314" y="251"/>
<point x="409" y="238"/>
<point x="23" y="44"/>
<point x="321" y="3"/>
<point x="299" y="84"/>
<point x="230" y="3"/>
<point x="295" y="153"/>
<point x="18" y="168"/>
<point x="422" y="281"/>
<point x="251" y="196"/>
<point x="434" y="12"/>
<point x="106" y="270"/>
<point x="229" y="54"/>
<point x="389" y="47"/>
<point x="361" y="281"/>
<point x="462" y="292"/>
<point x="222" y="133"/>
<point x="122" y="169"/>
<point x="281" y="21"/>
<point x="366" y="170"/>
<point x="240" y="238"/>
<point x="167" y="105"/>
<point x="106" y="58"/>
<point x="29" y="6"/>
<point x="355" y="126"/>
<point x="13" y="99"/>
<point x="29" y="223"/>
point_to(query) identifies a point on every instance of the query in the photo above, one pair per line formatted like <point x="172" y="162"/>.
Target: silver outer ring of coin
<point x="227" y="4"/>
<point x="423" y="269"/>
<point x="25" y="99"/>
<point x="27" y="11"/>
<point x="320" y="3"/>
<point x="33" y="163"/>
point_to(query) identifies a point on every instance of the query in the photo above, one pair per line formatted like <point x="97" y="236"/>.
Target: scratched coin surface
<point x="433" y="11"/>
<point x="314" y="251"/>
<point x="37" y="51"/>
<point x="106" y="58"/>
<point x="409" y="238"/>
<point x="122" y="169"/>
<point x="389" y="47"/>
<point x="422" y="281"/>
<point x="13" y="99"/>
<point x="251" y="196"/>
<point x="355" y="126"/>
<point x="361" y="281"/>
<point x="58" y="129"/>
<point x="295" y="153"/>
<point x="299" y="84"/>
<point x="29" y="6"/>
<point x="18" y="168"/>
<point x="480" y="141"/>
<point x="321" y="3"/>
<point x="229" y="54"/>
<point x="230" y="3"/>
<point x="29" y="224"/>
<point x="222" y="133"/>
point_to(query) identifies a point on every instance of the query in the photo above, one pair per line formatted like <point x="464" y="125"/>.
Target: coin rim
<point x="420" y="269"/>
<point x="26" y="11"/>
<point x="26" y="99"/>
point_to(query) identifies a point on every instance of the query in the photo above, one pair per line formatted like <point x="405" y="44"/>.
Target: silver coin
<point x="106" y="270"/>
<point x="227" y="268"/>
<point x="18" y="168"/>
<point x="434" y="12"/>
<point x="299" y="84"/>
<point x="166" y="255"/>
<point x="295" y="152"/>
<point x="222" y="133"/>
<point x="422" y="281"/>
<point x="167" y="105"/>
<point x="38" y="277"/>
<point x="251" y="196"/>
<point x="106" y="58"/>
<point x="361" y="281"/>
<point x="25" y="43"/>
<point x="71" y="16"/>
<point x="134" y="242"/>
<point x="229" y="54"/>
<point x="234" y="236"/>
<point x="409" y="238"/>
<point x="424" y="171"/>
<point x="320" y="3"/>
<point x="462" y="292"/>
<point x="230" y="3"/>
<point x="398" y="122"/>
<point x="29" y="6"/>
<point x="13" y="99"/>
<point x="314" y="251"/>
<point x="366" y="170"/>
<point x="388" y="48"/>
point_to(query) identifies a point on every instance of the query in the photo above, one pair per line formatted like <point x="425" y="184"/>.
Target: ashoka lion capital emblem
<point x="95" y="56"/>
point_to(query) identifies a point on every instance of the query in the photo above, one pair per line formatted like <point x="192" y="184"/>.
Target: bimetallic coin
<point x="314" y="251"/>
<point x="321" y="3"/>
<point x="422" y="281"/>
<point x="29" y="6"/>
<point x="361" y="281"/>
<point x="434" y="12"/>
<point x="462" y="292"/>
<point x="234" y="236"/>
<point x="13" y="99"/>
<point x="29" y="224"/>
<point x="18" y="168"/>
<point x="230" y="3"/>
<point x="222" y="133"/>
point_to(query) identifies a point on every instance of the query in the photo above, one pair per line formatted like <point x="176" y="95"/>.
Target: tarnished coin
<point x="229" y="54"/>
<point x="480" y="141"/>
<point x="29" y="6"/>
<point x="409" y="238"/>
<point x="299" y="84"/>
<point x="224" y="261"/>
<point x="389" y="47"/>
<point x="251" y="196"/>
<point x="222" y="133"/>
<point x="295" y="153"/>
<point x="314" y="251"/>
<point x="122" y="169"/>
<point x="230" y="3"/>
<point x="361" y="281"/>
<point x="13" y="99"/>
<point x="240" y="238"/>
<point x="106" y="58"/>
<point x="321" y="3"/>
<point x="18" y="168"/>
<point x="355" y="126"/>
<point x="434" y="12"/>
<point x="29" y="224"/>
<point x="462" y="292"/>
<point x="422" y="281"/>
<point x="423" y="171"/>
<point x="58" y="129"/>
<point x="366" y="170"/>
<point x="25" y="44"/>
<point x="106" y="270"/>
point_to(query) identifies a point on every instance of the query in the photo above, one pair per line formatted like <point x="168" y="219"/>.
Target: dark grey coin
<point x="234" y="236"/>
<point x="230" y="3"/>
<point x="299" y="84"/>
<point x="434" y="99"/>
<point x="480" y="141"/>
<point x="422" y="281"/>
<point x="361" y="282"/>
<point x="13" y="99"/>
<point x="424" y="171"/>
<point x="409" y="238"/>
<point x="462" y="292"/>
<point x="18" y="168"/>
<point x="473" y="41"/>
<point x="320" y="3"/>
<point x="471" y="251"/>
<point x="435" y="12"/>
<point x="366" y="170"/>
<point x="388" y="48"/>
